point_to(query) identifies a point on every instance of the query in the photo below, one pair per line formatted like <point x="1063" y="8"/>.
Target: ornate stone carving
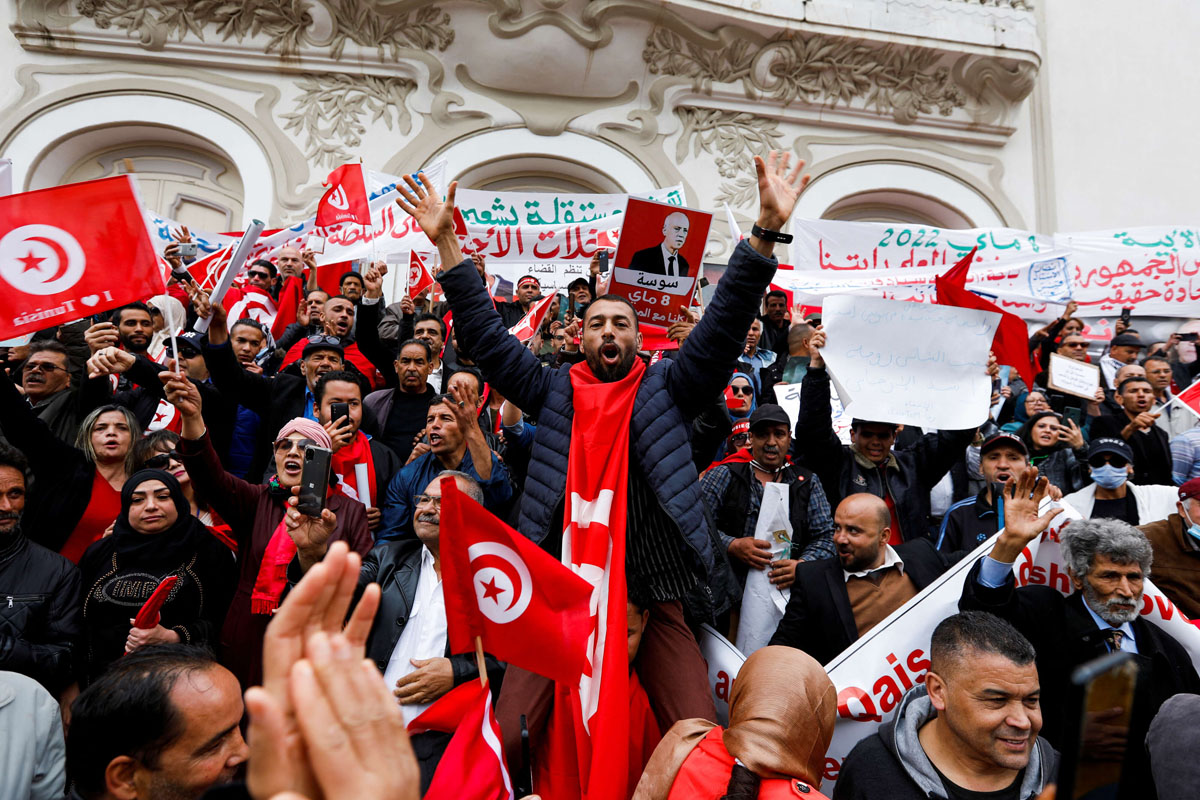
<point x="903" y="81"/>
<point x="733" y="138"/>
<point x="330" y="110"/>
<point x="287" y="23"/>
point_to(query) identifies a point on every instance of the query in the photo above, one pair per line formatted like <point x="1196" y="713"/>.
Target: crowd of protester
<point x="129" y="457"/>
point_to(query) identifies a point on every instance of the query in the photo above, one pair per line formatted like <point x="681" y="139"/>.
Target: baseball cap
<point x="189" y="342"/>
<point x="1190" y="489"/>
<point x="1116" y="447"/>
<point x="1126" y="340"/>
<point x="1004" y="438"/>
<point x="769" y="413"/>
<point x="320" y="341"/>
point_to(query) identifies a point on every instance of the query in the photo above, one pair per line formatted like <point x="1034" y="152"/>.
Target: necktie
<point x="671" y="265"/>
<point x="1113" y="637"/>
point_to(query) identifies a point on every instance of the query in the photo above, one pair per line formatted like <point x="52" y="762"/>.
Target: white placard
<point x="787" y="395"/>
<point x="1074" y="377"/>
<point x="724" y="663"/>
<point x="910" y="363"/>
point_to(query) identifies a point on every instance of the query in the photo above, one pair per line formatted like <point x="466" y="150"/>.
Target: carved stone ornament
<point x="330" y="111"/>
<point x="288" y="24"/>
<point x="733" y="138"/>
<point x="903" y="81"/>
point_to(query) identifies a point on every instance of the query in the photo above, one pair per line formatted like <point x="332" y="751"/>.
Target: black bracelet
<point x="771" y="236"/>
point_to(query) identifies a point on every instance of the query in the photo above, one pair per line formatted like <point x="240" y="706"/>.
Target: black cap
<point x="1004" y="438"/>
<point x="1126" y="340"/>
<point x="769" y="413"/>
<point x="1116" y="447"/>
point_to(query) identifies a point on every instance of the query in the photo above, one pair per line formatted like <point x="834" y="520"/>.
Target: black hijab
<point x="169" y="547"/>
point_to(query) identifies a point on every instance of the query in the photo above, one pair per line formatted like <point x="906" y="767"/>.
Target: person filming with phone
<point x="266" y="541"/>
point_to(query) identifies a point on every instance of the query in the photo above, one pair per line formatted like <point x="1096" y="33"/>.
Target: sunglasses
<point x="1074" y="345"/>
<point x="285" y="446"/>
<point x="320" y="338"/>
<point x="162" y="460"/>
<point x="739" y="439"/>
<point x="41" y="366"/>
<point x="1101" y="459"/>
<point x="741" y="390"/>
<point x="266" y="276"/>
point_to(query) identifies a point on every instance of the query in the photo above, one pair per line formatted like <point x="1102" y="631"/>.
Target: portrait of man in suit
<point x="665" y="258"/>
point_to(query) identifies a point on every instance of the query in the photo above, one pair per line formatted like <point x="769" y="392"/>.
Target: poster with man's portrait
<point x="660" y="253"/>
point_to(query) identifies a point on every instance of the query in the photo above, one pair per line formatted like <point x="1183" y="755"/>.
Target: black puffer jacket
<point x="40" y="612"/>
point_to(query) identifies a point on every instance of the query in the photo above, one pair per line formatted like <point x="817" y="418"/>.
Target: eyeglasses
<point x="429" y="499"/>
<point x="42" y="366"/>
<point x="1075" y="345"/>
<point x="739" y="439"/>
<point x="285" y="446"/>
<point x="741" y="390"/>
<point x="266" y="276"/>
<point x="1100" y="459"/>
<point x="321" y="338"/>
<point x="162" y="460"/>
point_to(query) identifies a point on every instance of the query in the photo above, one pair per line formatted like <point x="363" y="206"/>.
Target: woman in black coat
<point x="154" y="537"/>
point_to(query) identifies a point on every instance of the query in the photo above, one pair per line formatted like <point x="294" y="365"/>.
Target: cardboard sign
<point x="909" y="363"/>
<point x="1073" y="377"/>
<point x="660" y="254"/>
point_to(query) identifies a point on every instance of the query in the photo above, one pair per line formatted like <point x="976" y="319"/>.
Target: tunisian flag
<point x="527" y="608"/>
<point x="1011" y="342"/>
<point x="472" y="768"/>
<point x="346" y="200"/>
<point x="529" y="324"/>
<point x="148" y="615"/>
<point x="72" y="251"/>
<point x="419" y="278"/>
<point x="1189" y="398"/>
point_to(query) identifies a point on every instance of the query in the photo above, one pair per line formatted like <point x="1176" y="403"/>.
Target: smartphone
<point x="314" y="480"/>
<point x="1189" y="337"/>
<point x="1126" y="313"/>
<point x="182" y="275"/>
<point x="1075" y="414"/>
<point x="186" y="250"/>
<point x="316" y="244"/>
<point x="604" y="261"/>
<point x="1058" y="403"/>
<point x="1101" y="704"/>
<point x="338" y="410"/>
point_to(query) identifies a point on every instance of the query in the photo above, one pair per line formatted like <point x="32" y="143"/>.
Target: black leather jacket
<point x="41" y="621"/>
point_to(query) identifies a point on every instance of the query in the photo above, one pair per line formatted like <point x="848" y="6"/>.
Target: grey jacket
<point x="33" y="755"/>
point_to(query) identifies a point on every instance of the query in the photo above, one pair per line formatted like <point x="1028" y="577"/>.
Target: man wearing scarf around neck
<point x="256" y="514"/>
<point x="611" y="472"/>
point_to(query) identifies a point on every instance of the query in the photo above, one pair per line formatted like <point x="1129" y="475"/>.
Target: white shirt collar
<point x="890" y="559"/>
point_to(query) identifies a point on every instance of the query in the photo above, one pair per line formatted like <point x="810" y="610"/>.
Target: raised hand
<point x="279" y="760"/>
<point x="101" y="335"/>
<point x="778" y="189"/>
<point x="181" y="393"/>
<point x="815" y="343"/>
<point x="311" y="534"/>
<point x="421" y="202"/>
<point x="1023" y="496"/>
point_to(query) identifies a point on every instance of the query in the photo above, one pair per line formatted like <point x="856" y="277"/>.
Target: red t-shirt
<point x="102" y="511"/>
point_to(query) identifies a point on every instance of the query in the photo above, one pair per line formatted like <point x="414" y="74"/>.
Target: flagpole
<point x="479" y="661"/>
<point x="170" y="315"/>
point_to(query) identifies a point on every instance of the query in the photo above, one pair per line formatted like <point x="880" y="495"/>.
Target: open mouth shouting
<point x="610" y="354"/>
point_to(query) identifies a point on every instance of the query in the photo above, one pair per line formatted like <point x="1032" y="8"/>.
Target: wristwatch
<point x="771" y="236"/>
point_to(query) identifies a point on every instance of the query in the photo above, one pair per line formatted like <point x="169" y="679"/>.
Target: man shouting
<point x="611" y="468"/>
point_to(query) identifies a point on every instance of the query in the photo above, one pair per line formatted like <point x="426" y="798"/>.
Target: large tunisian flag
<point x="72" y="251"/>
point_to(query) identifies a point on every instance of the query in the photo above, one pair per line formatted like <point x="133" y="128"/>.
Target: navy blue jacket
<point x="672" y="394"/>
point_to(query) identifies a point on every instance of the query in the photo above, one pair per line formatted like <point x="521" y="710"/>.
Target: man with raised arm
<point x="668" y="541"/>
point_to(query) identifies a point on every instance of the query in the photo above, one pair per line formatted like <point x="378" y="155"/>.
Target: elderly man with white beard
<point x="1107" y="563"/>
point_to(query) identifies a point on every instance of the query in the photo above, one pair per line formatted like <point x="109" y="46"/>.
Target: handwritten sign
<point x="1154" y="271"/>
<point x="909" y="363"/>
<point x="787" y="395"/>
<point x="659" y="255"/>
<point x="1074" y="377"/>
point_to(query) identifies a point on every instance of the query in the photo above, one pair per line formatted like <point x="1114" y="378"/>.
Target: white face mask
<point x="1194" y="527"/>
<point x="1109" y="477"/>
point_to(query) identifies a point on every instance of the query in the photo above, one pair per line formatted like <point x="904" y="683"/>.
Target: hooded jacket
<point x="781" y="718"/>
<point x="891" y="762"/>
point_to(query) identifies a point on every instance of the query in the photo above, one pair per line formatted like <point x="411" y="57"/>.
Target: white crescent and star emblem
<point x="338" y="199"/>
<point x="41" y="259"/>
<point x="502" y="582"/>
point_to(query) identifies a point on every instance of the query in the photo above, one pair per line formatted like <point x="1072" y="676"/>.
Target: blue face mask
<point x="1194" y="530"/>
<point x="1109" y="477"/>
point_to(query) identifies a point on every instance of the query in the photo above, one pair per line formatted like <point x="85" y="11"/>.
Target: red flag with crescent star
<point x="529" y="324"/>
<point x="419" y="278"/>
<point x="528" y="609"/>
<point x="472" y="766"/>
<point x="73" y="251"/>
<point x="346" y="200"/>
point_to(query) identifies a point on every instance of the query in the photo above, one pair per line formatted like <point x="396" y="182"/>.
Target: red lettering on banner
<point x="1055" y="575"/>
<point x="868" y="713"/>
<point x="899" y="670"/>
<point x="724" y="686"/>
<point x="1165" y="607"/>
<point x="918" y="664"/>
<point x="833" y="768"/>
<point x="888" y="692"/>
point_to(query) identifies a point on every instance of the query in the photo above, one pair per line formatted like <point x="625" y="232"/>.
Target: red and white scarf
<point x="594" y="547"/>
<point x="344" y="461"/>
